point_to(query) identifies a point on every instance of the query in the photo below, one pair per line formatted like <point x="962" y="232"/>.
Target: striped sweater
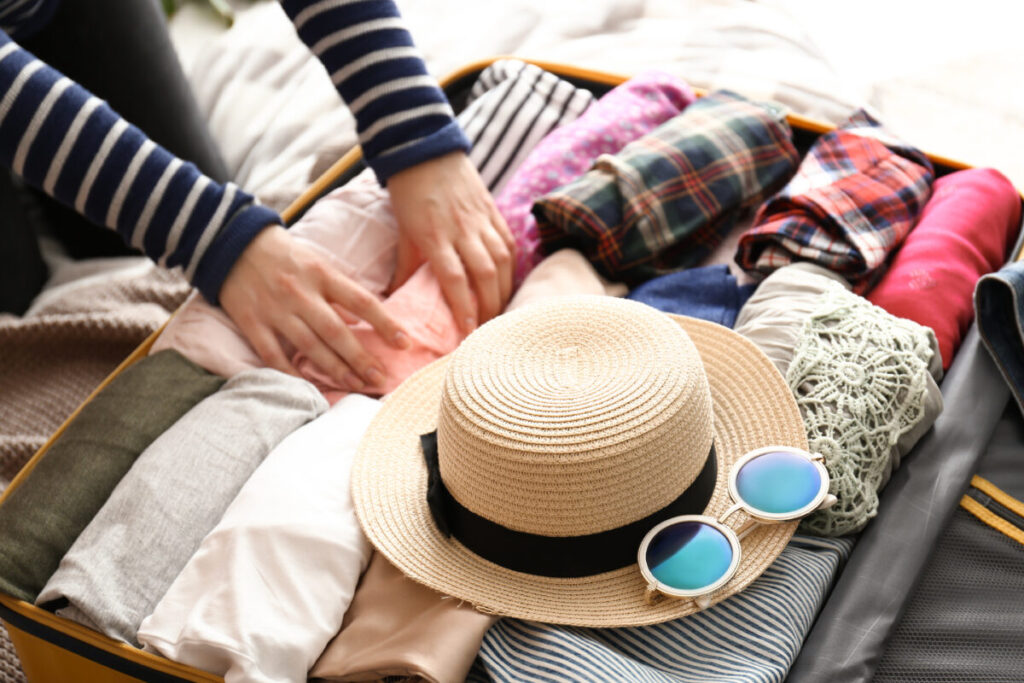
<point x="72" y="145"/>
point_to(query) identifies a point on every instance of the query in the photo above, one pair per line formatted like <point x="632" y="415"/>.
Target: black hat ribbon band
<point x="554" y="556"/>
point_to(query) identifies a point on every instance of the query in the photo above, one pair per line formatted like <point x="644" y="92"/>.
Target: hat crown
<point x="574" y="416"/>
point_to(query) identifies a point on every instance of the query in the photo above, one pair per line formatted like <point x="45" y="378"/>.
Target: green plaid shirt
<point x="666" y="200"/>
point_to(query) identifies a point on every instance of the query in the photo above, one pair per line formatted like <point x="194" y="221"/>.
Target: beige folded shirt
<point x="774" y="315"/>
<point x="397" y="627"/>
<point x="565" y="272"/>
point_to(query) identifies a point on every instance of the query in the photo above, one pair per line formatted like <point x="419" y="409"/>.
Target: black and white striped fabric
<point x="752" y="637"/>
<point x="402" y="116"/>
<point x="523" y="104"/>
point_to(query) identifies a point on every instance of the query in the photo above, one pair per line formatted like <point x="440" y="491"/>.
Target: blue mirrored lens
<point x="778" y="482"/>
<point x="689" y="555"/>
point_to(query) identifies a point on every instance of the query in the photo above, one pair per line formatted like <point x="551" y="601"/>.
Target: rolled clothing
<point x="857" y="193"/>
<point x="669" y="198"/>
<point x="774" y="315"/>
<point x="173" y="495"/>
<point x="268" y="587"/>
<point x="624" y="114"/>
<point x="904" y="402"/>
<point x="523" y="104"/>
<point x="398" y="627"/>
<point x="565" y="273"/>
<point x="80" y="330"/>
<point x="86" y="462"/>
<point x="708" y="292"/>
<point x="754" y="636"/>
<point x="965" y="231"/>
<point x="999" y="303"/>
<point x="862" y="379"/>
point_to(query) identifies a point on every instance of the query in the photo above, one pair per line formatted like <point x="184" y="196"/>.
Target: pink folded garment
<point x="355" y="227"/>
<point x="626" y="113"/>
<point x="428" y="321"/>
<point x="964" y="231"/>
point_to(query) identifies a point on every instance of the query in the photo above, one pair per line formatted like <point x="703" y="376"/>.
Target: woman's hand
<point x="281" y="288"/>
<point x="446" y="216"/>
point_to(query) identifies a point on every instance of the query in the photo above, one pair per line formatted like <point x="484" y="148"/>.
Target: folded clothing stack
<point x="857" y="193"/>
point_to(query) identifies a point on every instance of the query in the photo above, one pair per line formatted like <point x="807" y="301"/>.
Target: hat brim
<point x="753" y="407"/>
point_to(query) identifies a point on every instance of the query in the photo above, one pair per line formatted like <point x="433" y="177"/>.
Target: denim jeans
<point x="710" y="293"/>
<point x="999" y="307"/>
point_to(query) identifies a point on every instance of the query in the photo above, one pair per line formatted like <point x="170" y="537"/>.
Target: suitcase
<point x="52" y="648"/>
<point x="863" y="615"/>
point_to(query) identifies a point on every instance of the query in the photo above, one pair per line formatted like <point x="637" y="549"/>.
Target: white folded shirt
<point x="269" y="586"/>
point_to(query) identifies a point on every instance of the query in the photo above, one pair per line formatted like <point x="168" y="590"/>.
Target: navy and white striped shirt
<point x="72" y="145"/>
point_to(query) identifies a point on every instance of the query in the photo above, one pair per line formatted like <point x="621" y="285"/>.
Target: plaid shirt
<point x="666" y="200"/>
<point x="857" y="194"/>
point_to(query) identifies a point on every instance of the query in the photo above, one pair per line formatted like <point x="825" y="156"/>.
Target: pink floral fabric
<point x="626" y="113"/>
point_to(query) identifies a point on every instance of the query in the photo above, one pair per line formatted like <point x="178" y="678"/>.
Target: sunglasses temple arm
<point x="728" y="513"/>
<point x="746" y="528"/>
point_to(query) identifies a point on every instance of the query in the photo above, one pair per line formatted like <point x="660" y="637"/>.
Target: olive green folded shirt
<point x="42" y="517"/>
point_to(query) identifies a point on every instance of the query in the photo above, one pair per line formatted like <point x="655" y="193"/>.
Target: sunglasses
<point x="692" y="556"/>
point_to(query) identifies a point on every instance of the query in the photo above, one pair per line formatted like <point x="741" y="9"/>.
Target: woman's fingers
<point x="282" y="289"/>
<point x="263" y="340"/>
<point x="362" y="304"/>
<point x="455" y="284"/>
<point x="445" y="211"/>
<point x="503" y="253"/>
<point x="485" y="276"/>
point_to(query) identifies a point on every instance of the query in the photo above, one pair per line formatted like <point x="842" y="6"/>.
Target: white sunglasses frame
<point x="755" y="517"/>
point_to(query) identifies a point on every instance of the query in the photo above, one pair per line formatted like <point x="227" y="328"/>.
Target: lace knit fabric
<point x="861" y="379"/>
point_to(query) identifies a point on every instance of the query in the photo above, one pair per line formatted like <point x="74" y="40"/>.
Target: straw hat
<point x="571" y="418"/>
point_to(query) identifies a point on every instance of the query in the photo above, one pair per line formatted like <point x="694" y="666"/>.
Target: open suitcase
<point x="851" y="630"/>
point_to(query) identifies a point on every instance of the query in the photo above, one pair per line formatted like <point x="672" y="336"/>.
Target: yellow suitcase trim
<point x="52" y="648"/>
<point x="989" y="517"/>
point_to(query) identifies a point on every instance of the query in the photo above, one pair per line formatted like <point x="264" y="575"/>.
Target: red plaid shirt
<point x="856" y="195"/>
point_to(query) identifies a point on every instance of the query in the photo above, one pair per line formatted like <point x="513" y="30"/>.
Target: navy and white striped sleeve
<point x="73" y="146"/>
<point x="402" y="116"/>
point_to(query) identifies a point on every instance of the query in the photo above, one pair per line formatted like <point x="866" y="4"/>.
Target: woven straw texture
<point x="614" y="403"/>
<point x="634" y="376"/>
